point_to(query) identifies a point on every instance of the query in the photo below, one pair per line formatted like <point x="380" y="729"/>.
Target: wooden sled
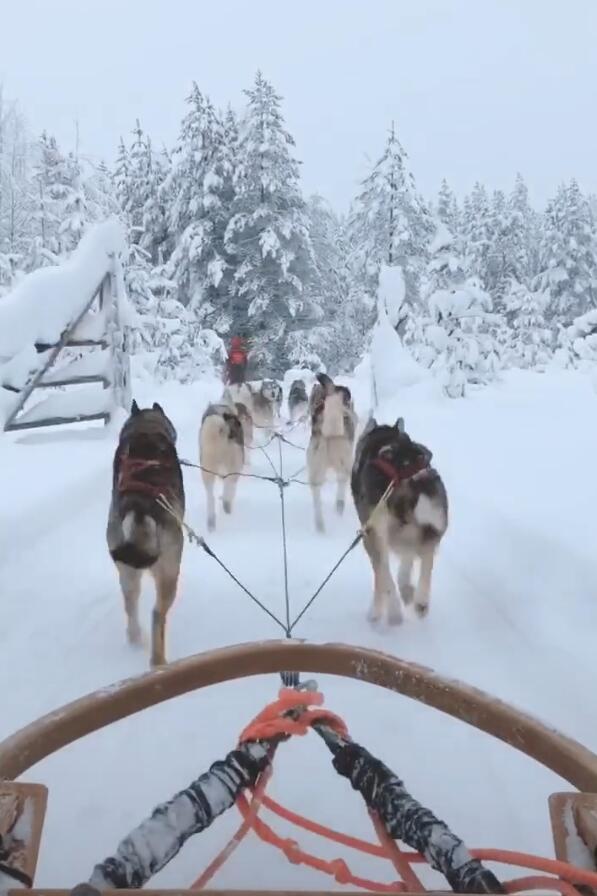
<point x="573" y="815"/>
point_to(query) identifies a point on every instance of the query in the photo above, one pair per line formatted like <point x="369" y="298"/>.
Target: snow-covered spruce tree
<point x="447" y="208"/>
<point x="461" y="336"/>
<point x="268" y="236"/>
<point x="530" y="343"/>
<point x="522" y="234"/>
<point x="568" y="256"/>
<point x="45" y="244"/>
<point x="390" y="223"/>
<point x="198" y="214"/>
<point x="476" y="232"/>
<point x="17" y="204"/>
<point x="338" y="339"/>
<point x="445" y="271"/>
<point x="155" y="238"/>
<point x="214" y="307"/>
<point x="578" y="345"/>
<point x="498" y="267"/>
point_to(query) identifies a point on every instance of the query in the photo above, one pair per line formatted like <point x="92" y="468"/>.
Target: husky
<point x="266" y="402"/>
<point x="410" y="524"/>
<point x="298" y="402"/>
<point x="244" y="415"/>
<point x="141" y="534"/>
<point x="221" y="453"/>
<point x="333" y="425"/>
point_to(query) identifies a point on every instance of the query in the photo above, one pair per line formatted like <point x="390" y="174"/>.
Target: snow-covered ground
<point x="513" y="611"/>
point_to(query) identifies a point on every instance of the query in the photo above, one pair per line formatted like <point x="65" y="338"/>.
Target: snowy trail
<point x="512" y="612"/>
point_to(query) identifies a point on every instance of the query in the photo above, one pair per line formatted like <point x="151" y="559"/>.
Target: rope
<point x="295" y="713"/>
<point x="200" y="541"/>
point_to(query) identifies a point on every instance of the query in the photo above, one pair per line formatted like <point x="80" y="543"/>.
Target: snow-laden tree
<point x="268" y="235"/>
<point x="44" y="246"/>
<point x="476" y="232"/>
<point x="194" y="185"/>
<point x="498" y="266"/>
<point x="155" y="238"/>
<point x="530" y="343"/>
<point x="446" y="267"/>
<point x="460" y="335"/>
<point x="522" y="234"/>
<point x="578" y="343"/>
<point x="447" y="208"/>
<point x="390" y="224"/>
<point x="568" y="256"/>
<point x="17" y="207"/>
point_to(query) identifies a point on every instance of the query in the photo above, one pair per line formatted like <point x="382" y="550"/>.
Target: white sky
<point x="478" y="88"/>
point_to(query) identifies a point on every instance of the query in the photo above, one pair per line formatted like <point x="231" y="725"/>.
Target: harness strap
<point x="396" y="476"/>
<point x="130" y="476"/>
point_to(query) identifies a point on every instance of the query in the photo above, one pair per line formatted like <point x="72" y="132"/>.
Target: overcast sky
<point x="478" y="88"/>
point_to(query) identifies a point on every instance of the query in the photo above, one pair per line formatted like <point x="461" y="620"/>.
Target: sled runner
<point x="407" y="833"/>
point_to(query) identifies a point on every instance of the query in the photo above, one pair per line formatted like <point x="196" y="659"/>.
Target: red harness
<point x="130" y="476"/>
<point x="396" y="476"/>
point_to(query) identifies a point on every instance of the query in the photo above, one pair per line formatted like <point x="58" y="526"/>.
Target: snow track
<point x="512" y="611"/>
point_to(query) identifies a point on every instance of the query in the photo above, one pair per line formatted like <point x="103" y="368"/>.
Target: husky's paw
<point x="340" y="506"/>
<point x="395" y="616"/>
<point x="211" y="523"/>
<point x="374" y="613"/>
<point x="157" y="661"/>
<point x="136" y="636"/>
<point x="421" y="610"/>
<point x="407" y="593"/>
<point x="319" y="525"/>
<point x="227" y="505"/>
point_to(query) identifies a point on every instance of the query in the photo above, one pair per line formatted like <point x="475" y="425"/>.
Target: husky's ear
<point x="135" y="409"/>
<point x="369" y="426"/>
<point x="158" y="407"/>
<point x="399" y="424"/>
<point x="327" y="382"/>
<point x="424" y="452"/>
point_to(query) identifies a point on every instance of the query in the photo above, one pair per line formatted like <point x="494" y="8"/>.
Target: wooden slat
<point x="22" y="813"/>
<point x="579" y="812"/>
<point x="54" y="352"/>
<point x="57" y="421"/>
<point x="72" y="343"/>
<point x="75" y="381"/>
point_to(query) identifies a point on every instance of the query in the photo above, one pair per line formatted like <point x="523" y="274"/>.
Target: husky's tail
<point x="140" y="548"/>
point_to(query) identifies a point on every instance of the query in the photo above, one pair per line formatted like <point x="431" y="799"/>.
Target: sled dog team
<point x="409" y="523"/>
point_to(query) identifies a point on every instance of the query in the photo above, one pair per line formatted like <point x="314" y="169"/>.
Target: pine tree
<point x="45" y="243"/>
<point x="461" y="337"/>
<point x="498" y="268"/>
<point x="189" y="225"/>
<point x="390" y="223"/>
<point x="568" y="256"/>
<point x="531" y="339"/>
<point x="476" y="229"/>
<point x="522" y="236"/>
<point x="268" y="234"/>
<point x="75" y="213"/>
<point x="447" y="208"/>
<point x="155" y="238"/>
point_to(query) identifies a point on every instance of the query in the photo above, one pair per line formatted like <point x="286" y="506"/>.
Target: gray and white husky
<point x="412" y="522"/>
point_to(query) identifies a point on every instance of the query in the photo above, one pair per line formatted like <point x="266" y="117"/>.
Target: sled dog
<point x="221" y="454"/>
<point x="410" y="524"/>
<point x="298" y="402"/>
<point x="141" y="534"/>
<point x="333" y="425"/>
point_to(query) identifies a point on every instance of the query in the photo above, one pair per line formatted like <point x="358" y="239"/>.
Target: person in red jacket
<point x="236" y="363"/>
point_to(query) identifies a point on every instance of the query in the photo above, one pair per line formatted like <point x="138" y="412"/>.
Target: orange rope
<point x="274" y="721"/>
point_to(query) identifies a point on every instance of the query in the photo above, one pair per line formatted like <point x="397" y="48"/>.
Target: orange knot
<point x="273" y="721"/>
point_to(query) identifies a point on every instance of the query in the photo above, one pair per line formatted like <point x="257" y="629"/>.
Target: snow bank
<point x="392" y="366"/>
<point x="391" y="292"/>
<point x="45" y="301"/>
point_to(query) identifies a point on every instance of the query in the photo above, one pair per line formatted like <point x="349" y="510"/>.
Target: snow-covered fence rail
<point x="79" y="305"/>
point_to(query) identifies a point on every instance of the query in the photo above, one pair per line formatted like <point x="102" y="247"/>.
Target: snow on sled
<point x="407" y="834"/>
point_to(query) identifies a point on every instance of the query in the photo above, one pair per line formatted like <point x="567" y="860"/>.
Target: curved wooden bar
<point x="43" y="737"/>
